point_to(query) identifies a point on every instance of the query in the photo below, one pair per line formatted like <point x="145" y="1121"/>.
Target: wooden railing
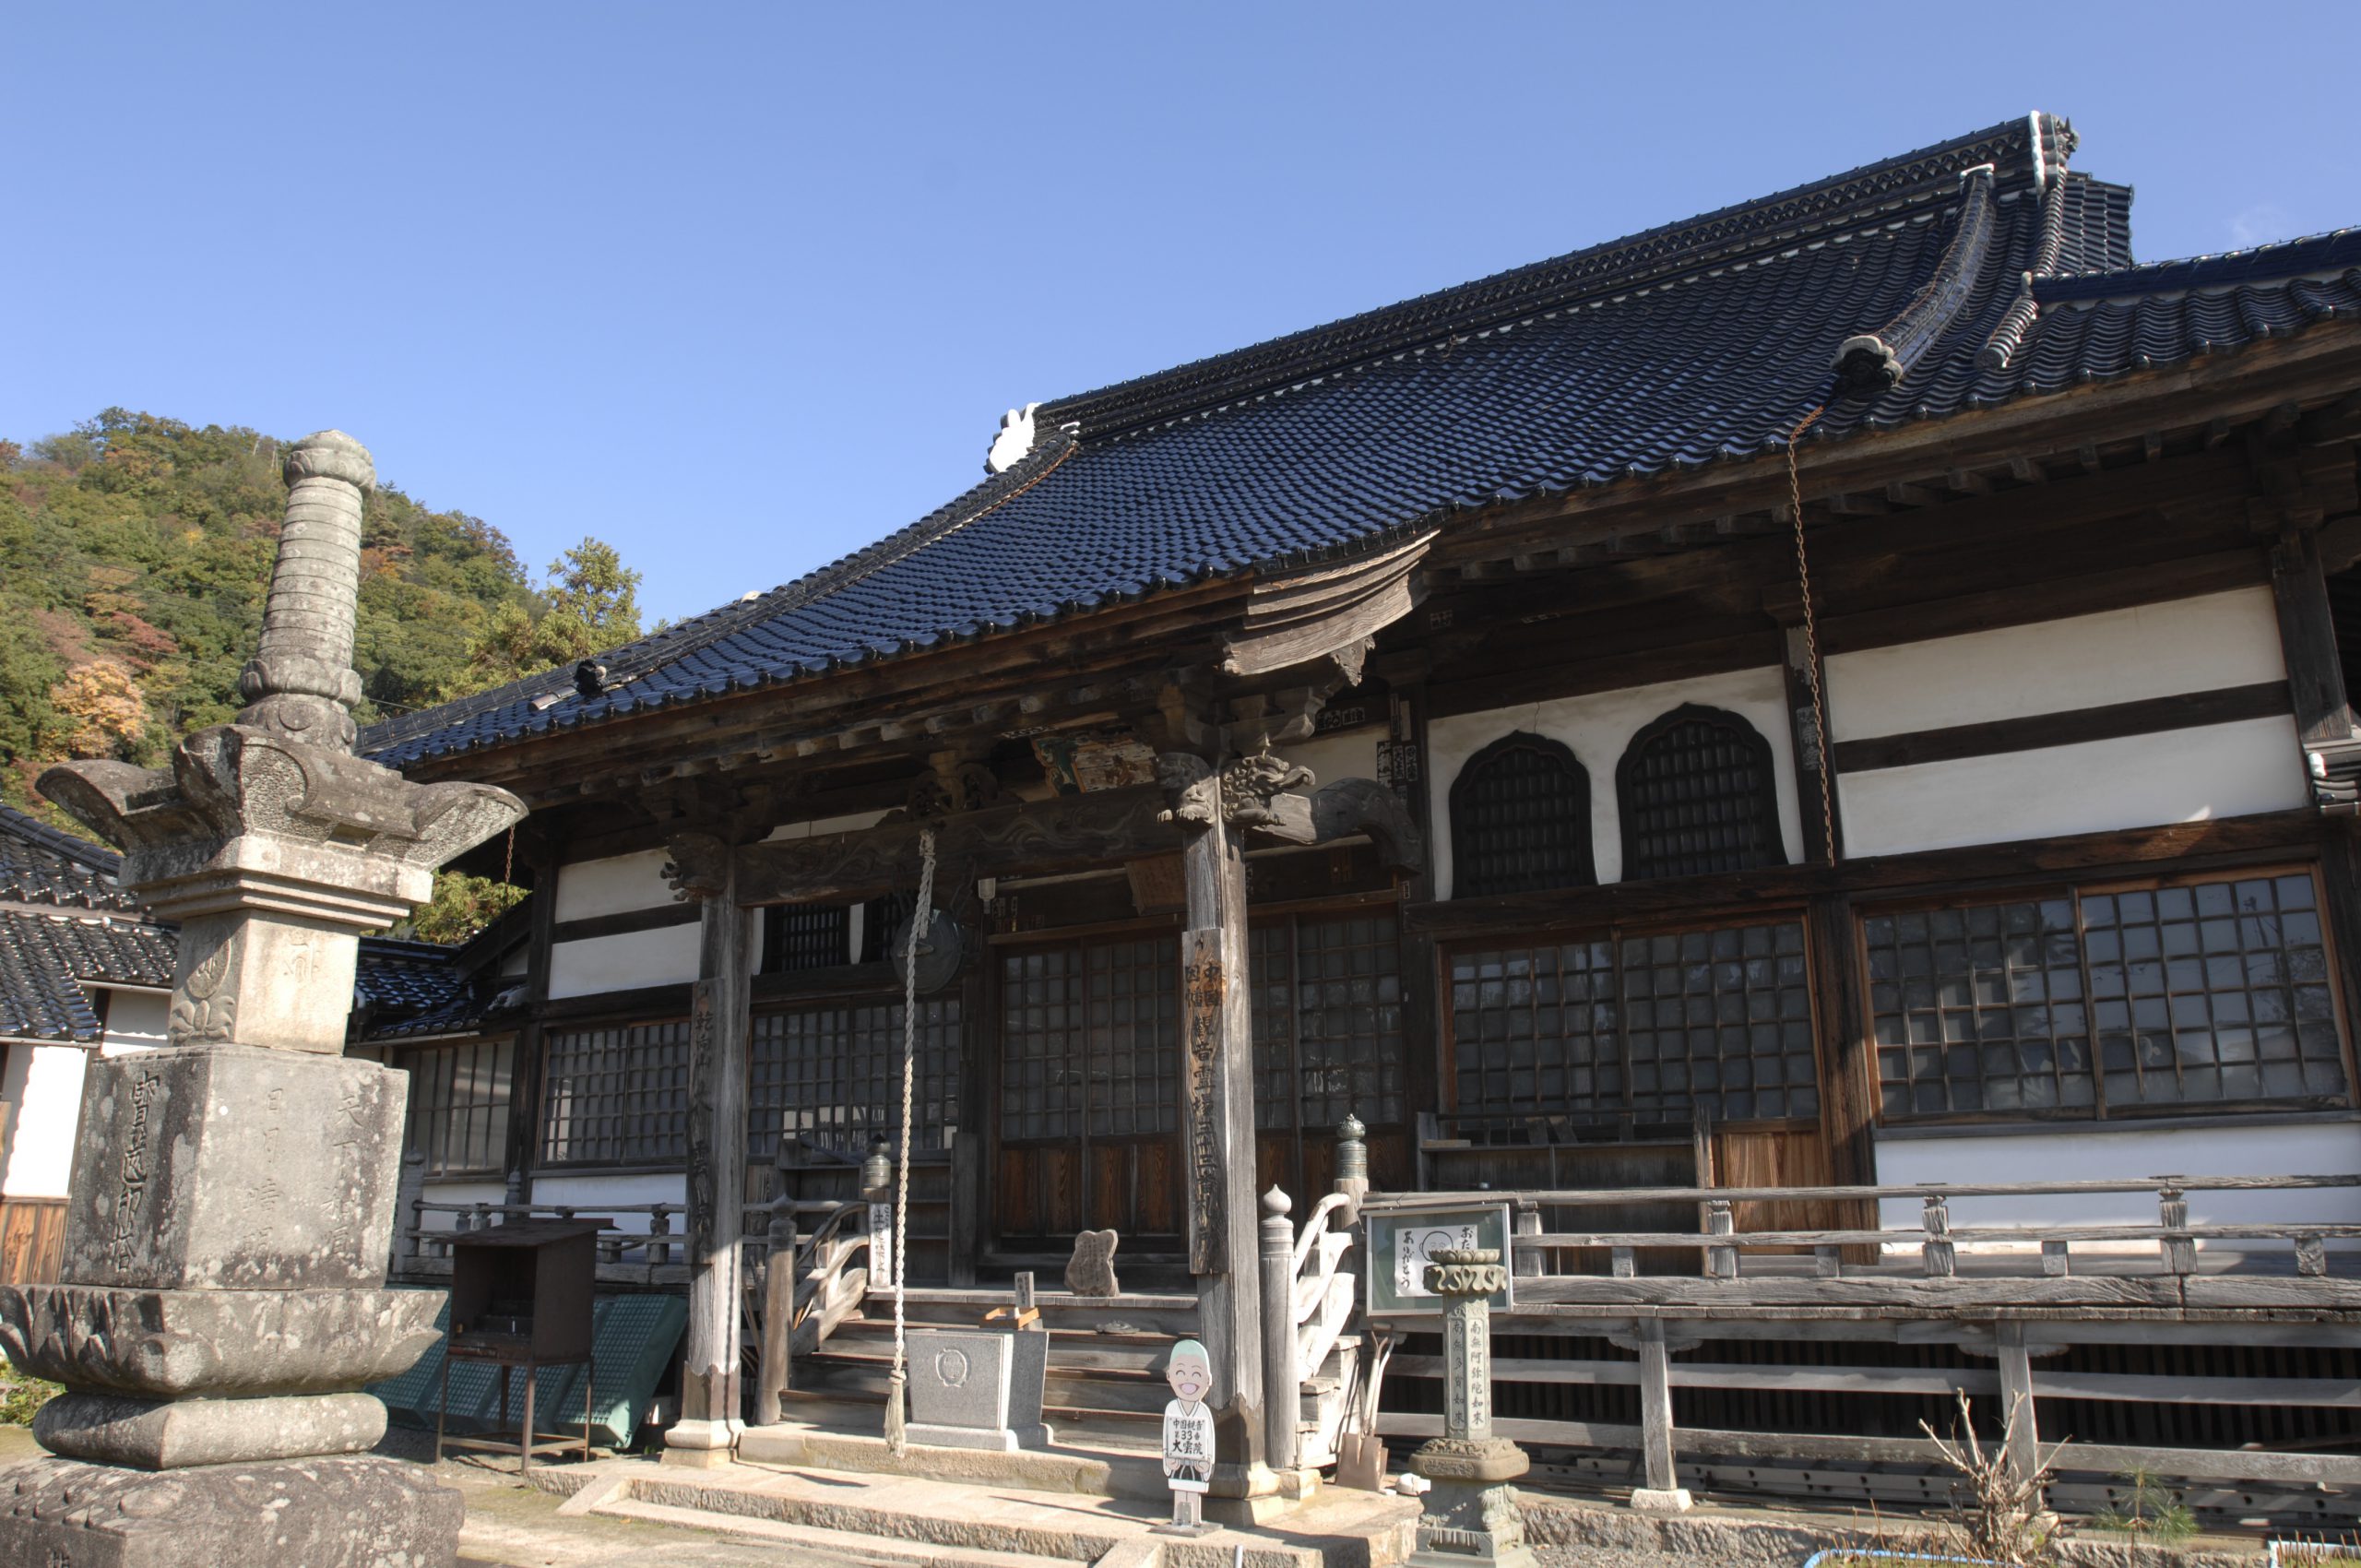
<point x="1820" y="1328"/>
<point x="656" y="1256"/>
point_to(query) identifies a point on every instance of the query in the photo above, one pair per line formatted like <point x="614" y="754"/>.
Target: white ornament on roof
<point x="1015" y="440"/>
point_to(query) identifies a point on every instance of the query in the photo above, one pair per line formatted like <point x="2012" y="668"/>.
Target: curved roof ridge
<point x="1725" y="234"/>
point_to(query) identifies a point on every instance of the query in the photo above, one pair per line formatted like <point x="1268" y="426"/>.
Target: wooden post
<point x="1656" y="1420"/>
<point x="1721" y="1263"/>
<point x="1282" y="1380"/>
<point x="2180" y="1252"/>
<point x="718" y="1023"/>
<point x="1218" y="1125"/>
<point x="778" y="1312"/>
<point x="2307" y="638"/>
<point x="1803" y="734"/>
<point x="408" y="1194"/>
<point x="2016" y="1398"/>
<point x="1939" y="1251"/>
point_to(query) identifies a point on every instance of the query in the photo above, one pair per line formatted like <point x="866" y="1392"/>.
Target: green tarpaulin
<point x="632" y="1339"/>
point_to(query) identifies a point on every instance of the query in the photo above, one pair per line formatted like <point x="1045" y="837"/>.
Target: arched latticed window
<point x="1698" y="793"/>
<point x="1519" y="819"/>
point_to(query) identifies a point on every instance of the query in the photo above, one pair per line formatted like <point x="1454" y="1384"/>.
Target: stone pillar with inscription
<point x="1471" y="1515"/>
<point x="1216" y="811"/>
<point x="223" y="1297"/>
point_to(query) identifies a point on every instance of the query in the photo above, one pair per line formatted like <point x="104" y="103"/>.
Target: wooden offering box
<point x="527" y="1287"/>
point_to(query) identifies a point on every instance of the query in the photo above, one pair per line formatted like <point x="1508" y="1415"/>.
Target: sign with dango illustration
<point x="1402" y="1243"/>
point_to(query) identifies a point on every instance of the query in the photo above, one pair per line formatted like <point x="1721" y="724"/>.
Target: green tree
<point x="590" y="604"/>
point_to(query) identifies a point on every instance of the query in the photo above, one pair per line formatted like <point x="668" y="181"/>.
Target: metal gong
<point x="941" y="947"/>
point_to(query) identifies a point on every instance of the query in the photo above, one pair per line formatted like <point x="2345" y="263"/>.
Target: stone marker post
<point x="222" y="1298"/>
<point x="1471" y="1515"/>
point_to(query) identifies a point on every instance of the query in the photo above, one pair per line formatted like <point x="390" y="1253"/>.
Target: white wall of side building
<point x="136" y="1020"/>
<point x="586" y="1191"/>
<point x="667" y="956"/>
<point x="2247" y="1145"/>
<point x="1597" y="727"/>
<point x="2207" y="642"/>
<point x="44" y="1082"/>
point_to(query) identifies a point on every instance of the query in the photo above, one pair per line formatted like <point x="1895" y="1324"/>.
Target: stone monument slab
<point x="1091" y="1270"/>
<point x="290" y="1184"/>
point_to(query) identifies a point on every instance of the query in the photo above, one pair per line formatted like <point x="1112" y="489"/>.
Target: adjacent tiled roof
<point x="39" y="997"/>
<point x="41" y="865"/>
<point x="414" y="989"/>
<point x="1696" y="343"/>
<point x="80" y="930"/>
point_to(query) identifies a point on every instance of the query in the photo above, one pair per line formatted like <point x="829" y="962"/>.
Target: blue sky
<point x="738" y="289"/>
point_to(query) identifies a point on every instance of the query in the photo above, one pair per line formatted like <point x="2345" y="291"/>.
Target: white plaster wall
<point x="2216" y="770"/>
<point x="1349" y="754"/>
<point x="2130" y="1152"/>
<point x="2151" y="651"/>
<point x="1597" y="728"/>
<point x="586" y="1192"/>
<point x="49" y="1101"/>
<point x="664" y="956"/>
<point x="136" y="1020"/>
<point x="589" y="888"/>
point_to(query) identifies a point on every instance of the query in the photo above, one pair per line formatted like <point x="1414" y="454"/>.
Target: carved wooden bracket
<point x="1314" y="614"/>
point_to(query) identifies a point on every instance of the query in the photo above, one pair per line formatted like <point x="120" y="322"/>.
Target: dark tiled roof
<point x="1696" y="343"/>
<point x="413" y="988"/>
<point x="91" y="932"/>
<point x="38" y="996"/>
<point x="41" y="865"/>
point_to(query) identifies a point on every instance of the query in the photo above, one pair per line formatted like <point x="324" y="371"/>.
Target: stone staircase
<point x="1106" y="1387"/>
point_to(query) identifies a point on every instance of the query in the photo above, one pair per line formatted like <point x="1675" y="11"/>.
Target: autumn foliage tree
<point x="135" y="555"/>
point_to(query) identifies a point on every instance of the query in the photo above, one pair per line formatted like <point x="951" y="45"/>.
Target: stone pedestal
<point x="1471" y="1515"/>
<point x="978" y="1389"/>
<point x="222" y="1299"/>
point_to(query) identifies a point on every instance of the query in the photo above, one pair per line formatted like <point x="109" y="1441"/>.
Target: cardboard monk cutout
<point x="1188" y="1434"/>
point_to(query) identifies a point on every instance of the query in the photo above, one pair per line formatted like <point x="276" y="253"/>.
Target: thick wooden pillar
<point x="718" y="1025"/>
<point x="1218" y="1125"/>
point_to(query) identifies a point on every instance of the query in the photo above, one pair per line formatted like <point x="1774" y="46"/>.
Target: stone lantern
<point x="223" y="1295"/>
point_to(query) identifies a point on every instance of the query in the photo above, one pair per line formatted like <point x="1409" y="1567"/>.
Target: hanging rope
<point x="1811" y="639"/>
<point x="921" y="918"/>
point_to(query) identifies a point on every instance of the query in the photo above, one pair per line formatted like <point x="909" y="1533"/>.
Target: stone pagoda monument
<point x="224" y="1297"/>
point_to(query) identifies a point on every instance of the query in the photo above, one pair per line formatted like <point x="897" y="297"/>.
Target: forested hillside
<point x="135" y="555"/>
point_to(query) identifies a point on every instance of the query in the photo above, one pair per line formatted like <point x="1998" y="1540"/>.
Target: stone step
<point x="862" y="1548"/>
<point x="862" y="1373"/>
<point x="1108" y="1435"/>
<point x="960" y="1502"/>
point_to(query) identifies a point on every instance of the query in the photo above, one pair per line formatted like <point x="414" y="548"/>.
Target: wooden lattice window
<point x="1327" y="1010"/>
<point x="1698" y="793"/>
<point x="458" y="1105"/>
<point x="1091" y="1040"/>
<point x="806" y="936"/>
<point x="830" y="1076"/>
<point x="1654" y="1026"/>
<point x="1519" y="819"/>
<point x="618" y="1094"/>
<point x="2211" y="992"/>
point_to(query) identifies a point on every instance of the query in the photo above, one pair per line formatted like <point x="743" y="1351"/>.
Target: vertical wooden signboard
<point x="1203" y="988"/>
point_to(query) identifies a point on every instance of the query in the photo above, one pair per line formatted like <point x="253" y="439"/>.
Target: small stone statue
<point x="1188" y="1437"/>
<point x="1091" y="1270"/>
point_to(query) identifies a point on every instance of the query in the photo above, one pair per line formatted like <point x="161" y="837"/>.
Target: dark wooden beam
<point x="2184" y="710"/>
<point x="1042" y="837"/>
<point x="626" y="922"/>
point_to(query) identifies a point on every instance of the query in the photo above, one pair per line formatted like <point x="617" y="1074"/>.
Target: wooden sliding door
<point x="1089" y="1096"/>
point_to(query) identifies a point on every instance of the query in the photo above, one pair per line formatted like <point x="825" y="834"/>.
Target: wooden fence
<point x="32" y="1240"/>
<point x="2223" y="1357"/>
